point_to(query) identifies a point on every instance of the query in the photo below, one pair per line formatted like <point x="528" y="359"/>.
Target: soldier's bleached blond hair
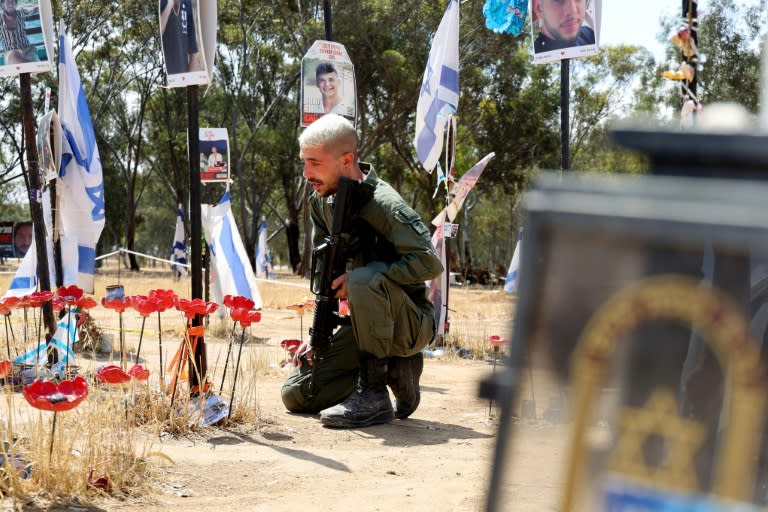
<point x="333" y="133"/>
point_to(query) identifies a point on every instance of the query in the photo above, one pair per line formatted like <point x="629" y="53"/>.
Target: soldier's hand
<point x="304" y="352"/>
<point x="340" y="285"/>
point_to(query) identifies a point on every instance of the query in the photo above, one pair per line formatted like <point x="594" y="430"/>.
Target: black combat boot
<point x="403" y="378"/>
<point x="368" y="405"/>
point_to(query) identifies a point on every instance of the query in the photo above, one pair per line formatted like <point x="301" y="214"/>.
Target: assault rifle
<point x="329" y="260"/>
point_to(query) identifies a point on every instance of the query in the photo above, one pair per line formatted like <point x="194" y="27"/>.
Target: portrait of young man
<point x="563" y="25"/>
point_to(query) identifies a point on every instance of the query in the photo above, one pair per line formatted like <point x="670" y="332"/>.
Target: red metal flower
<point x="245" y="317"/>
<point x="58" y="303"/>
<point x="138" y="372"/>
<point x="86" y="303"/>
<point x="239" y="301"/>
<point x="6" y="367"/>
<point x="144" y="305"/>
<point x="193" y="307"/>
<point x="6" y="306"/>
<point x="290" y="345"/>
<point x="45" y="395"/>
<point x="112" y="374"/>
<point x="70" y="294"/>
<point x="497" y="341"/>
<point x="165" y="298"/>
<point x="118" y="305"/>
<point x="37" y="299"/>
<point x="23" y="302"/>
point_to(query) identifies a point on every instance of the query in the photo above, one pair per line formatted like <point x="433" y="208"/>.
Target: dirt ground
<point x="439" y="459"/>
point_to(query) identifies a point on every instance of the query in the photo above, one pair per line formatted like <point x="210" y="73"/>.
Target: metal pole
<point x="565" y="128"/>
<point x="328" y="17"/>
<point x="198" y="364"/>
<point x="690" y="17"/>
<point x="36" y="204"/>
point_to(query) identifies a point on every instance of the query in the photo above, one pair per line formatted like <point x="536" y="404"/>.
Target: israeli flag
<point x="263" y="263"/>
<point x="39" y="355"/>
<point x="510" y="283"/>
<point x="179" y="249"/>
<point x="81" y="183"/>
<point x="231" y="272"/>
<point x="439" y="94"/>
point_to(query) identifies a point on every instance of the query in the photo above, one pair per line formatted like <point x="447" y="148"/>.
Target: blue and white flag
<point x="179" y="249"/>
<point x="439" y="95"/>
<point x="263" y="263"/>
<point x="39" y="355"/>
<point x="510" y="283"/>
<point x="81" y="184"/>
<point x="231" y="272"/>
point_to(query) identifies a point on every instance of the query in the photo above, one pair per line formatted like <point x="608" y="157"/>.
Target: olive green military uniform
<point x="389" y="309"/>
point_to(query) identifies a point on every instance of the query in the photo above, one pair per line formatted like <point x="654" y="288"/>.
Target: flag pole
<point x="36" y="205"/>
<point x="565" y="86"/>
<point x="198" y="364"/>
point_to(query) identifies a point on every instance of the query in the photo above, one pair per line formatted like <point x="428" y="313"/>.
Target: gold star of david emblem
<point x="681" y="437"/>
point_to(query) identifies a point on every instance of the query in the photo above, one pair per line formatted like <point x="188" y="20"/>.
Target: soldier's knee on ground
<point x="293" y="398"/>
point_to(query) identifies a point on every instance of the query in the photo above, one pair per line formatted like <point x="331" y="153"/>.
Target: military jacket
<point x="388" y="233"/>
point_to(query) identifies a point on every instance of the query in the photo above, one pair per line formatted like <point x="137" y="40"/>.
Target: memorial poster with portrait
<point x="26" y="37"/>
<point x="564" y="30"/>
<point x="214" y="155"/>
<point x="327" y="83"/>
<point x="183" y="24"/>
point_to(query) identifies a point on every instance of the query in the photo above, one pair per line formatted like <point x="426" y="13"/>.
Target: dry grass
<point x="112" y="435"/>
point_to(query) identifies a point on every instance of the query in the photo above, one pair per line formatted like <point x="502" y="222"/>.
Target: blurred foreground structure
<point x="642" y="298"/>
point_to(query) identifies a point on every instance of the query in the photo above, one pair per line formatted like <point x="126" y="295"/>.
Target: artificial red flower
<point x="70" y="294"/>
<point x="58" y="303"/>
<point x="86" y="303"/>
<point x="165" y="298"/>
<point x="24" y="302"/>
<point x="240" y="301"/>
<point x="10" y="302"/>
<point x="138" y="372"/>
<point x="118" y="304"/>
<point x="6" y="367"/>
<point x="112" y="374"/>
<point x="144" y="305"/>
<point x="6" y="307"/>
<point x="290" y="345"/>
<point x="497" y="341"/>
<point x="37" y="299"/>
<point x="45" y="395"/>
<point x="193" y="307"/>
<point x="245" y="317"/>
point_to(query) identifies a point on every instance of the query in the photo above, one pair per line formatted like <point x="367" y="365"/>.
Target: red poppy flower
<point x="138" y="372"/>
<point x="112" y="374"/>
<point x="6" y="307"/>
<point x="497" y="341"/>
<point x="290" y="345"/>
<point x="24" y="302"/>
<point x="10" y="302"/>
<point x="118" y="305"/>
<point x="193" y="307"/>
<point x="228" y="300"/>
<point x="6" y="367"/>
<point x="86" y="303"/>
<point x="145" y="306"/>
<point x="70" y="294"/>
<point x="245" y="317"/>
<point x="165" y="298"/>
<point x="45" y="395"/>
<point x="58" y="303"/>
<point x="240" y="301"/>
<point x="37" y="299"/>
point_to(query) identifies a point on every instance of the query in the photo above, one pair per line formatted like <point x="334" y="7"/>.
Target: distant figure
<point x="13" y="34"/>
<point x="22" y="238"/>
<point x="561" y="25"/>
<point x="177" y="26"/>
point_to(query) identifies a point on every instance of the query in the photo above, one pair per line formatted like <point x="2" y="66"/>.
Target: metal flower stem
<point x="53" y="433"/>
<point x="182" y="359"/>
<point x="141" y="335"/>
<point x="69" y="326"/>
<point x="7" y="337"/>
<point x="229" y="352"/>
<point x="122" y="343"/>
<point x="40" y="325"/>
<point x="237" y="369"/>
<point x="160" y="346"/>
<point x="26" y="321"/>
